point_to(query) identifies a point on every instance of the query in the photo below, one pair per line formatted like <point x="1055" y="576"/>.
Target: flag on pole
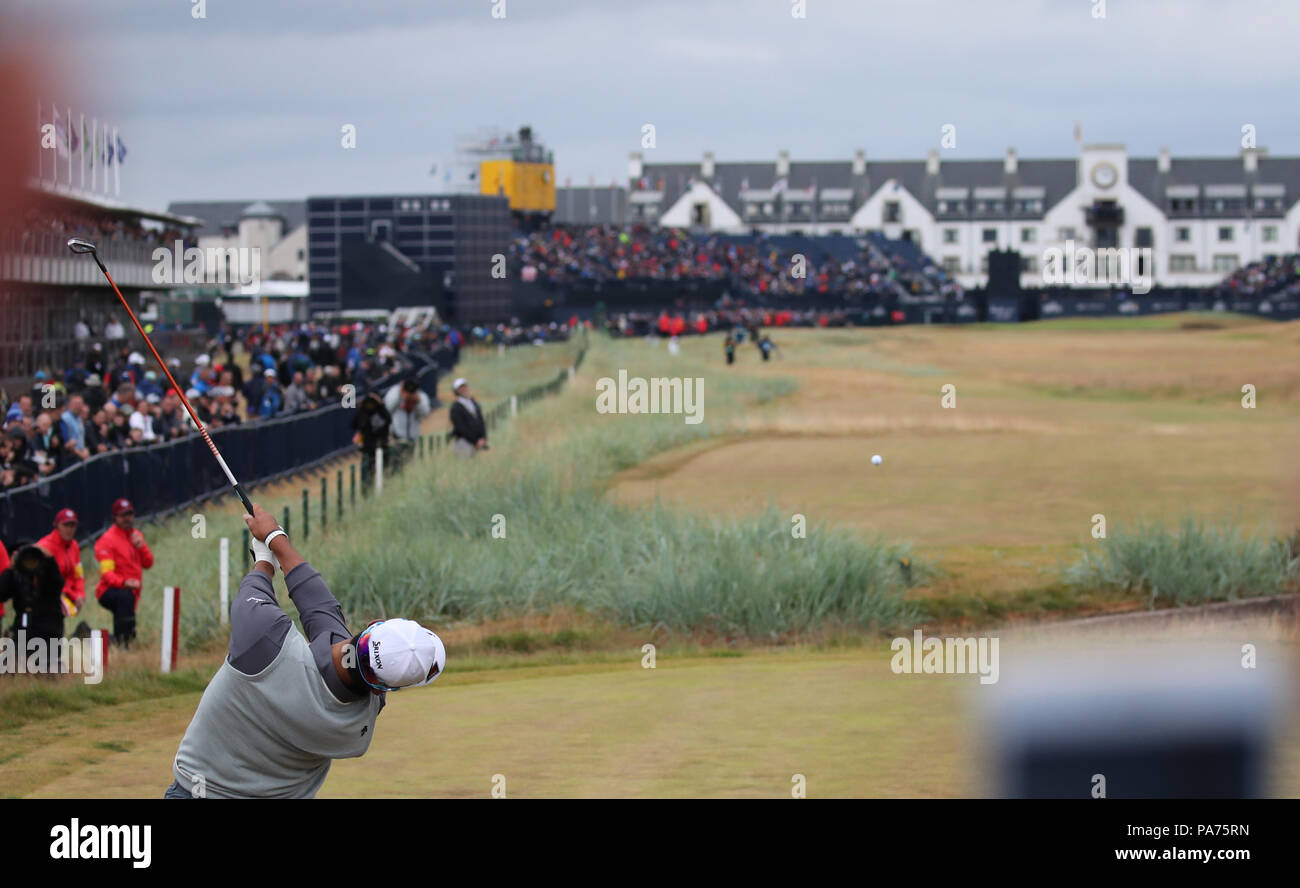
<point x="68" y="126"/>
<point x="40" y="141"/>
<point x="60" y="137"/>
<point x="81" y="145"/>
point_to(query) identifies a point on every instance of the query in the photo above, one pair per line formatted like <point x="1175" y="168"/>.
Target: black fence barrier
<point x="165" y="476"/>
<point x="170" y="475"/>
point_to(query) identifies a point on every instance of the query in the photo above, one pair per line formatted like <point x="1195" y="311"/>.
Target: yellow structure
<point x="529" y="186"/>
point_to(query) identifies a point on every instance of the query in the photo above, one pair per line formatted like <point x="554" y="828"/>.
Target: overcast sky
<point x="249" y="102"/>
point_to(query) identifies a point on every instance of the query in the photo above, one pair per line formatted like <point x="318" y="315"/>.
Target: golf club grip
<point x="243" y="497"/>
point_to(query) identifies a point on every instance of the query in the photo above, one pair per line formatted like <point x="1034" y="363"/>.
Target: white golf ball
<point x="876" y="460"/>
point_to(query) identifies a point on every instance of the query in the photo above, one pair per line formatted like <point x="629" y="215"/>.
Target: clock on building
<point x="1104" y="175"/>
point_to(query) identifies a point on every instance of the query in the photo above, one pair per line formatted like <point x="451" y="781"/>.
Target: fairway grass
<point x="699" y="726"/>
<point x="1139" y="420"/>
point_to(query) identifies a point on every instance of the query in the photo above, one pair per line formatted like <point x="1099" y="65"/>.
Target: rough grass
<point x="1195" y="563"/>
<point x="428" y="550"/>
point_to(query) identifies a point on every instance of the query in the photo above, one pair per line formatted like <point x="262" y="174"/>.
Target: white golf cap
<point x="455" y="386"/>
<point x="135" y="358"/>
<point x="203" y="360"/>
<point x="396" y="654"/>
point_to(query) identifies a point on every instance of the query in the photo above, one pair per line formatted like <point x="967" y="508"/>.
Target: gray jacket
<point x="276" y="713"/>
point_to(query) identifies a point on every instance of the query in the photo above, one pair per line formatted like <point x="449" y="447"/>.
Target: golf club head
<point x="77" y="245"/>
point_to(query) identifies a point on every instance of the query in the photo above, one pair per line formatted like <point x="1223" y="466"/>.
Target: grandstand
<point x="46" y="291"/>
<point x="1202" y="218"/>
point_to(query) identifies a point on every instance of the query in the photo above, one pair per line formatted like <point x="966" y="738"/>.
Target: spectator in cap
<point x="94" y="393"/>
<point x="123" y="558"/>
<point x="124" y="397"/>
<point x="19" y="410"/>
<point x="468" y="429"/>
<point x="61" y="545"/>
<point x="75" y="378"/>
<point x="272" y="398"/>
<point x="149" y="384"/>
<point x="202" y="378"/>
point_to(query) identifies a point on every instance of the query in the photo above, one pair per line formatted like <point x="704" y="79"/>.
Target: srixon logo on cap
<point x="374" y="652"/>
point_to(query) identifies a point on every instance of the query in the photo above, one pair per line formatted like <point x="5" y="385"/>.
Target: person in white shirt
<point x="408" y="407"/>
<point x="142" y="419"/>
<point x="114" y="330"/>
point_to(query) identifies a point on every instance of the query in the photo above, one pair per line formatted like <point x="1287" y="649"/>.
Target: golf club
<point x="77" y="245"/>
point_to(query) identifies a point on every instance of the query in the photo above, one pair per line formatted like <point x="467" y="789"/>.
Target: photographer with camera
<point x="34" y="583"/>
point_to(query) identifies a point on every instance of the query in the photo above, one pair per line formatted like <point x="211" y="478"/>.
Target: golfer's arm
<point x="286" y="554"/>
<point x="319" y="610"/>
<point x="258" y="625"/>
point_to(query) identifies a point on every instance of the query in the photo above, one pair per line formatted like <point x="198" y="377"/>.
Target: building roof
<point x="575" y="204"/>
<point x="104" y="204"/>
<point x="220" y="214"/>
<point x="1048" y="180"/>
<point x="1056" y="178"/>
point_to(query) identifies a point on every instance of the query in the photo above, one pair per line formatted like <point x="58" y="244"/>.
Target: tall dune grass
<point x="1195" y="563"/>
<point x="426" y="549"/>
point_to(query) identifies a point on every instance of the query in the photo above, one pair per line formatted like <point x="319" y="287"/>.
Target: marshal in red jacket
<point x="120" y="561"/>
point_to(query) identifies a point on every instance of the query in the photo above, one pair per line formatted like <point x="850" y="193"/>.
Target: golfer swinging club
<point x="282" y="707"/>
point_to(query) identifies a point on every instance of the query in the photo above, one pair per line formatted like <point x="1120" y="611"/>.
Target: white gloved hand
<point x="262" y="552"/>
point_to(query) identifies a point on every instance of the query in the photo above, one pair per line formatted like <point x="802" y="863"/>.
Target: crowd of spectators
<point x="109" y="401"/>
<point x="1273" y="276"/>
<point x="30" y="230"/>
<point x="567" y="255"/>
<point x="731" y="317"/>
<point x="515" y="333"/>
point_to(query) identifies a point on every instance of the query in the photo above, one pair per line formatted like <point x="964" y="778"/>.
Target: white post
<point x="501" y="349"/>
<point x="514" y="405"/>
<point x="224" y="569"/>
<point x="379" y="470"/>
<point x="573" y="371"/>
<point x="170" y="626"/>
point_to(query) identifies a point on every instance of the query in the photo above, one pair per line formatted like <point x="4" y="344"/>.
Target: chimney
<point x="932" y="163"/>
<point x="859" y="162"/>
<point x="706" y="166"/>
<point x="1009" y="165"/>
<point x="1164" y="162"/>
<point x="783" y="164"/>
<point x="634" y="166"/>
<point x="1250" y="158"/>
